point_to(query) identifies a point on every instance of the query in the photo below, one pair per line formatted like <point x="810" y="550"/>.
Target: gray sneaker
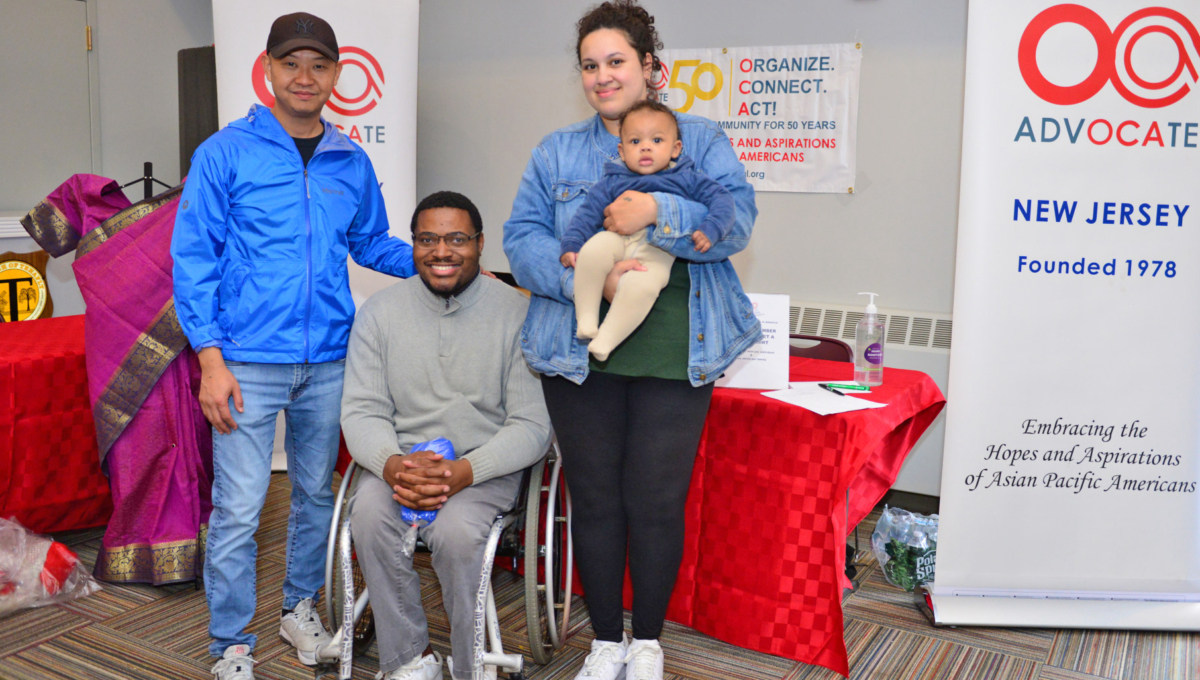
<point x="236" y="664"/>
<point x="302" y="629"/>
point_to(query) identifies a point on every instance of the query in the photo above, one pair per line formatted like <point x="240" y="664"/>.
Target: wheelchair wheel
<point x="548" y="565"/>
<point x="364" y="627"/>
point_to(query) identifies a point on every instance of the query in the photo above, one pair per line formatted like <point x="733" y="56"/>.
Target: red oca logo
<point x="350" y="57"/>
<point x="664" y="74"/>
<point x="1114" y="61"/>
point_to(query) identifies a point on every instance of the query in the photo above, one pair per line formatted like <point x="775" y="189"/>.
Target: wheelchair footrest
<point x="509" y="663"/>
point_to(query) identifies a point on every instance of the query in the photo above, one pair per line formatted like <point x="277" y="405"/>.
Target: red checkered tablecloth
<point x="764" y="562"/>
<point x="50" y="477"/>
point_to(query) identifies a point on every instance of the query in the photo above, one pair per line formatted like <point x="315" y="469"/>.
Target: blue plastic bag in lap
<point x="415" y="519"/>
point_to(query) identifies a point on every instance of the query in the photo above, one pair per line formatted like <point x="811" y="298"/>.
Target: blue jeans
<point x="311" y="397"/>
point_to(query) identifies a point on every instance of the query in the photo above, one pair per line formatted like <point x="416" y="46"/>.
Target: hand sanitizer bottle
<point x="868" y="347"/>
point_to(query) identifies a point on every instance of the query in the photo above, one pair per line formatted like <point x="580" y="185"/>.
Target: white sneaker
<point x="489" y="672"/>
<point x="428" y="667"/>
<point x="302" y="629"/>
<point x="644" y="660"/>
<point x="606" y="661"/>
<point x="235" y="664"/>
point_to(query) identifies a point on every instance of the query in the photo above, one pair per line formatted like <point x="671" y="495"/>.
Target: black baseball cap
<point x="301" y="30"/>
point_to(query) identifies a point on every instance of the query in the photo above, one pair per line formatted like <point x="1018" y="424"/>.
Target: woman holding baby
<point x="629" y="425"/>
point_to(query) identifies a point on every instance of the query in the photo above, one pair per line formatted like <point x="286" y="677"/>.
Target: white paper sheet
<point x="764" y="365"/>
<point x="808" y="395"/>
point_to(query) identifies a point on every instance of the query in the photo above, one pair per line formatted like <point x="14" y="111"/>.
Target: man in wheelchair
<point x="437" y="356"/>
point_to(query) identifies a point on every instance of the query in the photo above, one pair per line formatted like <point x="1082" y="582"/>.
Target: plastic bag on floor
<point x="36" y="571"/>
<point x="12" y="552"/>
<point x="905" y="544"/>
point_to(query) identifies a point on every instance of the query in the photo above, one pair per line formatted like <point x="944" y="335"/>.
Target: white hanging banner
<point x="374" y="103"/>
<point x="791" y="113"/>
<point x="1069" y="491"/>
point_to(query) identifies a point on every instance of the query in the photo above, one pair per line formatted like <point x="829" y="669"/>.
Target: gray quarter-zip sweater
<point x="421" y="366"/>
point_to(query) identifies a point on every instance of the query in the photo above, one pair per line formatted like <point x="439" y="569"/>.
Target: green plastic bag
<point x="905" y="544"/>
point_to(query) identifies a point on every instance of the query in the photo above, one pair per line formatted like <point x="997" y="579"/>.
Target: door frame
<point x="94" y="88"/>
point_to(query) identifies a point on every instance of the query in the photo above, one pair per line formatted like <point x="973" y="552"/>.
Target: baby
<point x="649" y="146"/>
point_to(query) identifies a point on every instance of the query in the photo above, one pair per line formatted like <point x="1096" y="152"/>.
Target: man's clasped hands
<point x="424" y="480"/>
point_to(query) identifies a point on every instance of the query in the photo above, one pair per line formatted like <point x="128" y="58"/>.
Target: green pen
<point x="844" y="386"/>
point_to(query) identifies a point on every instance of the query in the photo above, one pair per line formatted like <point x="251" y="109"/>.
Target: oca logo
<point x="355" y="104"/>
<point x="664" y="74"/>
<point x="1114" y="61"/>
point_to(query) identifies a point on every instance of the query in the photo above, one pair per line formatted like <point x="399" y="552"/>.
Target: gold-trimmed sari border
<point x="113" y="225"/>
<point x="157" y="563"/>
<point x="136" y="376"/>
<point x="47" y="225"/>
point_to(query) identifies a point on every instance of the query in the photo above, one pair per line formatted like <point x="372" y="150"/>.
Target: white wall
<point x="137" y="43"/>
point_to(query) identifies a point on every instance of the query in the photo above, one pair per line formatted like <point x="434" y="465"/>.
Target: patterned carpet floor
<point x="145" y="633"/>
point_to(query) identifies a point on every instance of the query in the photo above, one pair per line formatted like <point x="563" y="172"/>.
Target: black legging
<point x="628" y="446"/>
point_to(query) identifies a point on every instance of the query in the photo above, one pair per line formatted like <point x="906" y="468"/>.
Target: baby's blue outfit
<point x="683" y="180"/>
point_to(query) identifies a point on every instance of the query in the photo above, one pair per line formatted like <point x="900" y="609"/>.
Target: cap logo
<point x="304" y="26"/>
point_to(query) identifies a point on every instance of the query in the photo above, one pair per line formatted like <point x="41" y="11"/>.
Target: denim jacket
<point x="562" y="170"/>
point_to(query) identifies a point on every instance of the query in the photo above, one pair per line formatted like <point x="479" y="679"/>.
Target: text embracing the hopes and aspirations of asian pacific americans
<point x="1084" y="458"/>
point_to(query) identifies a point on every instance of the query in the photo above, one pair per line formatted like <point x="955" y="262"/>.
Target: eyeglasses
<point x="455" y="240"/>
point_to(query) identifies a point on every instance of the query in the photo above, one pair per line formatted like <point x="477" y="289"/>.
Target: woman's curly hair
<point x="628" y="17"/>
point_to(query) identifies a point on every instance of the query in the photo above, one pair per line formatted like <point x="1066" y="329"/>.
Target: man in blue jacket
<point x="272" y="206"/>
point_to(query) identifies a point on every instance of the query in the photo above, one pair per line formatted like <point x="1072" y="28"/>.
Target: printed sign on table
<point x="764" y="365"/>
<point x="791" y="113"/>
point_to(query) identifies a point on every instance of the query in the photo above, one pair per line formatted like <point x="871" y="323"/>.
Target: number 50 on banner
<point x="695" y="69"/>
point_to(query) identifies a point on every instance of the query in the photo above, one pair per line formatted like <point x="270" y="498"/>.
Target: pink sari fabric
<point x="155" y="444"/>
<point x="77" y="207"/>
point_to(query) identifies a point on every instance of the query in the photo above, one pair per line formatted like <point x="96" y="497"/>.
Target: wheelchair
<point x="535" y="533"/>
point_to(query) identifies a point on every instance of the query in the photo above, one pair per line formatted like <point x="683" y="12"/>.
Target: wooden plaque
<point x="24" y="293"/>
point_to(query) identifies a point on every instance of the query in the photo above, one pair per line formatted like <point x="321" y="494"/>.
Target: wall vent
<point x="916" y="330"/>
<point x="832" y="322"/>
<point x="942" y="330"/>
<point x="852" y="319"/>
<point x="920" y="331"/>
<point x="810" y="320"/>
<point x="897" y="330"/>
